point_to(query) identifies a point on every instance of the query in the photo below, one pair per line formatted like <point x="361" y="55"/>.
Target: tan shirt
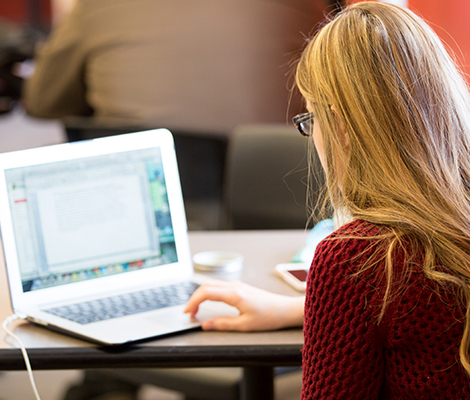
<point x="204" y="65"/>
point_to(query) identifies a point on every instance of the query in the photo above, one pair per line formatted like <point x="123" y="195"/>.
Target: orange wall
<point x="13" y="10"/>
<point x="23" y="12"/>
<point x="451" y="21"/>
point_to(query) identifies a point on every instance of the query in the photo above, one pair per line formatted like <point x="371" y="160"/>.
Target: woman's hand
<point x="260" y="310"/>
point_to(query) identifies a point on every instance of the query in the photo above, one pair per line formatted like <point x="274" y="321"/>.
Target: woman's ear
<point x="343" y="133"/>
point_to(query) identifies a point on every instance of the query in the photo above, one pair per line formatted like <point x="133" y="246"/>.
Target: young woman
<point x="386" y="312"/>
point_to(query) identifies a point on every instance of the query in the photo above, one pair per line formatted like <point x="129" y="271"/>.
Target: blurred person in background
<point x="202" y="66"/>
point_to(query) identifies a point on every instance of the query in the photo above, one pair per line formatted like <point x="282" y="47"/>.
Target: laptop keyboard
<point x="126" y="304"/>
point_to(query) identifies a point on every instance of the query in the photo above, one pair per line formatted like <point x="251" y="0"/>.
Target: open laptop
<point x="95" y="238"/>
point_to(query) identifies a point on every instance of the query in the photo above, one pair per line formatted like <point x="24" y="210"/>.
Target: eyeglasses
<point x="304" y="123"/>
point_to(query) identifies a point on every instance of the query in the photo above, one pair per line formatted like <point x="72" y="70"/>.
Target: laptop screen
<point x="91" y="217"/>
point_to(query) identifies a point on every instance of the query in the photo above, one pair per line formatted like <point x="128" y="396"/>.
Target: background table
<point x="257" y="352"/>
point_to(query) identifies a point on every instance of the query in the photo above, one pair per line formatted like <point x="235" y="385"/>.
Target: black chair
<point x="267" y="177"/>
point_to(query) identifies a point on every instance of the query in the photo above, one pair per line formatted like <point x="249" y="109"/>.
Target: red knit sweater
<point x="411" y="354"/>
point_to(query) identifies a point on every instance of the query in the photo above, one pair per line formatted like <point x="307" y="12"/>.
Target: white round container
<point x="218" y="261"/>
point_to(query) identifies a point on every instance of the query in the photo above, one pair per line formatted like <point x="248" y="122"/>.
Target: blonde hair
<point x="382" y="74"/>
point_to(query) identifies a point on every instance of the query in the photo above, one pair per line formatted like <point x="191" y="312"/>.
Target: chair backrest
<point x="86" y="128"/>
<point x="266" y="178"/>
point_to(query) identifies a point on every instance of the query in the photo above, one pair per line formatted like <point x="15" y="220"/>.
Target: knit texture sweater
<point x="411" y="354"/>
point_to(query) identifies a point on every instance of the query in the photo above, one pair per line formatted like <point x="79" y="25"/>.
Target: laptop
<point x="95" y="238"/>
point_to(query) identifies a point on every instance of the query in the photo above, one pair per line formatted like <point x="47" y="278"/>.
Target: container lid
<point x="218" y="261"/>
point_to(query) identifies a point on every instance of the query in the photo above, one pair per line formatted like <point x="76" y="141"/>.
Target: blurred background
<point x="230" y="134"/>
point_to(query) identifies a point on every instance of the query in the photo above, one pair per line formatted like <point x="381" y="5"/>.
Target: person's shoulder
<point x="351" y="246"/>
<point x="340" y="258"/>
<point x="359" y="229"/>
<point x="355" y="234"/>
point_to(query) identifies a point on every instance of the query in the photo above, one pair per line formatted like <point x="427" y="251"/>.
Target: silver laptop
<point x="95" y="238"/>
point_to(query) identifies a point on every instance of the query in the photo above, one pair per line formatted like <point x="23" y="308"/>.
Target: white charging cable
<point x="5" y="325"/>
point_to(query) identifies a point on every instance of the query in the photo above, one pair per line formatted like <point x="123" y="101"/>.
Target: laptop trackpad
<point x="207" y="310"/>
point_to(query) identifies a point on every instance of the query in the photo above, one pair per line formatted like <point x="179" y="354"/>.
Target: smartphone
<point x="295" y="274"/>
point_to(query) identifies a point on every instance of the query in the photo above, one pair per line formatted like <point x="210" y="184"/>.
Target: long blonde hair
<point x="381" y="73"/>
